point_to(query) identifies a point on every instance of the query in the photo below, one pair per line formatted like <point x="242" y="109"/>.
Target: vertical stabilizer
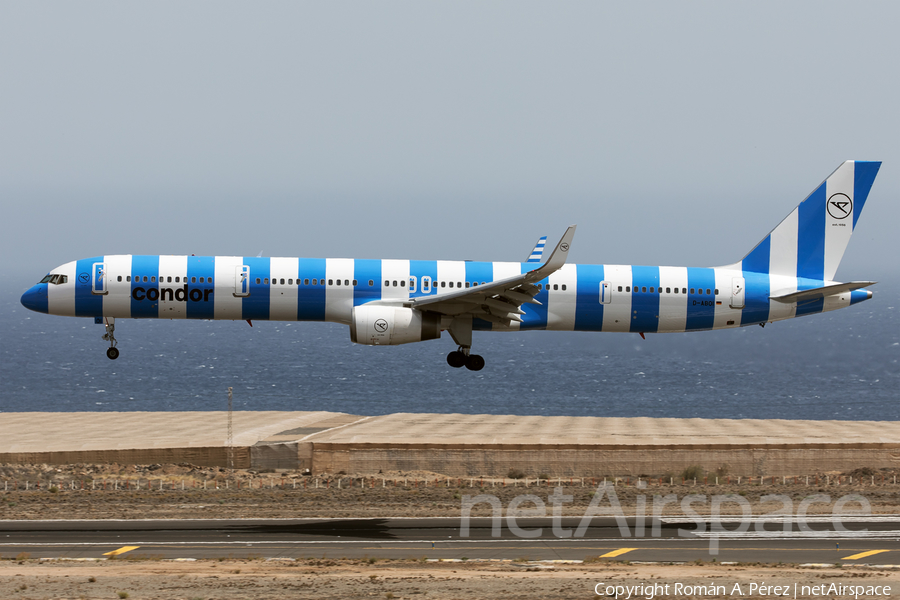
<point x="810" y="242"/>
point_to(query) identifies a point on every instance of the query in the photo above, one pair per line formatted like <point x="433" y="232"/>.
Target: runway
<point x="867" y="540"/>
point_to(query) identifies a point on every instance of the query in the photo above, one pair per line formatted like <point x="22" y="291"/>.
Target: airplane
<point x="390" y="302"/>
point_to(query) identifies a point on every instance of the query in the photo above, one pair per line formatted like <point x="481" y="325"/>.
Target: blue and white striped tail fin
<point x="538" y="252"/>
<point x="810" y="242"/>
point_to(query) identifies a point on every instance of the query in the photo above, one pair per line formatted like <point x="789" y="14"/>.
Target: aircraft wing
<point x="497" y="301"/>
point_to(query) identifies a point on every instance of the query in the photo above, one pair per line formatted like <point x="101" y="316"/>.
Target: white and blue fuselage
<point x="789" y="274"/>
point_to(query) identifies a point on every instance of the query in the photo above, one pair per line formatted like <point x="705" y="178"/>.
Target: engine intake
<point x="391" y="326"/>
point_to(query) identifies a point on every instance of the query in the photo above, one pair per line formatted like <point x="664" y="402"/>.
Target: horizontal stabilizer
<point x="816" y="293"/>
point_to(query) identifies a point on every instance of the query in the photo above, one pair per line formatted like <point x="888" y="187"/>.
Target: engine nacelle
<point x="390" y="326"/>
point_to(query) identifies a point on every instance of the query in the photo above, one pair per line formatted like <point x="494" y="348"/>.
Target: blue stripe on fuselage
<point x="144" y="266"/>
<point x="535" y="316"/>
<point x="87" y="304"/>
<point x="644" y="305"/>
<point x="701" y="307"/>
<point x="365" y="270"/>
<point x="809" y="307"/>
<point x="588" y="309"/>
<point x="201" y="296"/>
<point x="482" y="272"/>
<point x="311" y="298"/>
<point x="256" y="305"/>
<point x="756" y="298"/>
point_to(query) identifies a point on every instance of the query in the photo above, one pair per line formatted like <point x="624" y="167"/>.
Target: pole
<point x="230" y="438"/>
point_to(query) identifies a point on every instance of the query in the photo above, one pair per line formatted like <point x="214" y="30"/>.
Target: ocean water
<point x="840" y="365"/>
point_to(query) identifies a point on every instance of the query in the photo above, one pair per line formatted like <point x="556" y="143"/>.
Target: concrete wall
<point x="496" y="460"/>
<point x="202" y="456"/>
<point x="600" y="461"/>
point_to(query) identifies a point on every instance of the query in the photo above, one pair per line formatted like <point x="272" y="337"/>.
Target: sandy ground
<point x="200" y="492"/>
<point x="242" y="579"/>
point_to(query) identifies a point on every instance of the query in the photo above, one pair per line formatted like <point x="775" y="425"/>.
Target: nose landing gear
<point x="112" y="352"/>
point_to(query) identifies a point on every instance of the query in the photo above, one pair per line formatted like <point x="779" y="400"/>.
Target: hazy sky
<point x="671" y="133"/>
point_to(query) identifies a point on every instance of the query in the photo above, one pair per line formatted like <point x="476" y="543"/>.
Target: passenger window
<point x="128" y="278"/>
<point x="707" y="291"/>
<point x="331" y="282"/>
<point x="169" y="279"/>
<point x="412" y="284"/>
<point x="717" y="291"/>
<point x="564" y="287"/>
<point x="387" y="283"/>
<point x="306" y="282"/>
<point x="540" y="286"/>
<point x="281" y="281"/>
<point x="291" y="281"/>
<point x="643" y="289"/>
<point x="402" y="283"/>
<point x="620" y="288"/>
<point x="145" y="279"/>
<point x="257" y="280"/>
<point x="355" y="282"/>
<point x="339" y="282"/>
<point x="627" y="288"/>
<point x="467" y="285"/>
<point x="315" y="282"/>
<point x="119" y="278"/>
<point x="443" y="284"/>
<point x="178" y="279"/>
<point x="651" y="289"/>
<point x="692" y="290"/>
<point x="346" y="282"/>
<point x="684" y="290"/>
<point x="451" y="284"/>
<point x="555" y="286"/>
<point x="459" y="284"/>
<point x="668" y="290"/>
<point x="371" y="282"/>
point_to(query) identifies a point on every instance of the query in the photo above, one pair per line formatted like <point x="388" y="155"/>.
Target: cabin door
<point x="737" y="292"/>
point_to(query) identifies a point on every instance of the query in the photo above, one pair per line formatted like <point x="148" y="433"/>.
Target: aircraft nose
<point x="36" y="298"/>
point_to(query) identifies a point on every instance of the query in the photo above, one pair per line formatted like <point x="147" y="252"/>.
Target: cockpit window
<point x="55" y="279"/>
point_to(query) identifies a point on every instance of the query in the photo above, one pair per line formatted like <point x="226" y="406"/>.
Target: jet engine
<point x="390" y="326"/>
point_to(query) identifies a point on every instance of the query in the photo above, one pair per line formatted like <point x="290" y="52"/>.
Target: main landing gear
<point x="462" y="358"/>
<point x="461" y="331"/>
<point x="112" y="352"/>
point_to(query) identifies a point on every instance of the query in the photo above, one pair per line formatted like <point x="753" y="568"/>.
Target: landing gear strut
<point x="112" y="352"/>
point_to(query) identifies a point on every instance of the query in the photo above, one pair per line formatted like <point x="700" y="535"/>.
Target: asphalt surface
<point x="676" y="540"/>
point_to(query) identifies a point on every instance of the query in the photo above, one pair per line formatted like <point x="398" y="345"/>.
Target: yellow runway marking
<point x="864" y="554"/>
<point x="121" y="550"/>
<point x="617" y="552"/>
